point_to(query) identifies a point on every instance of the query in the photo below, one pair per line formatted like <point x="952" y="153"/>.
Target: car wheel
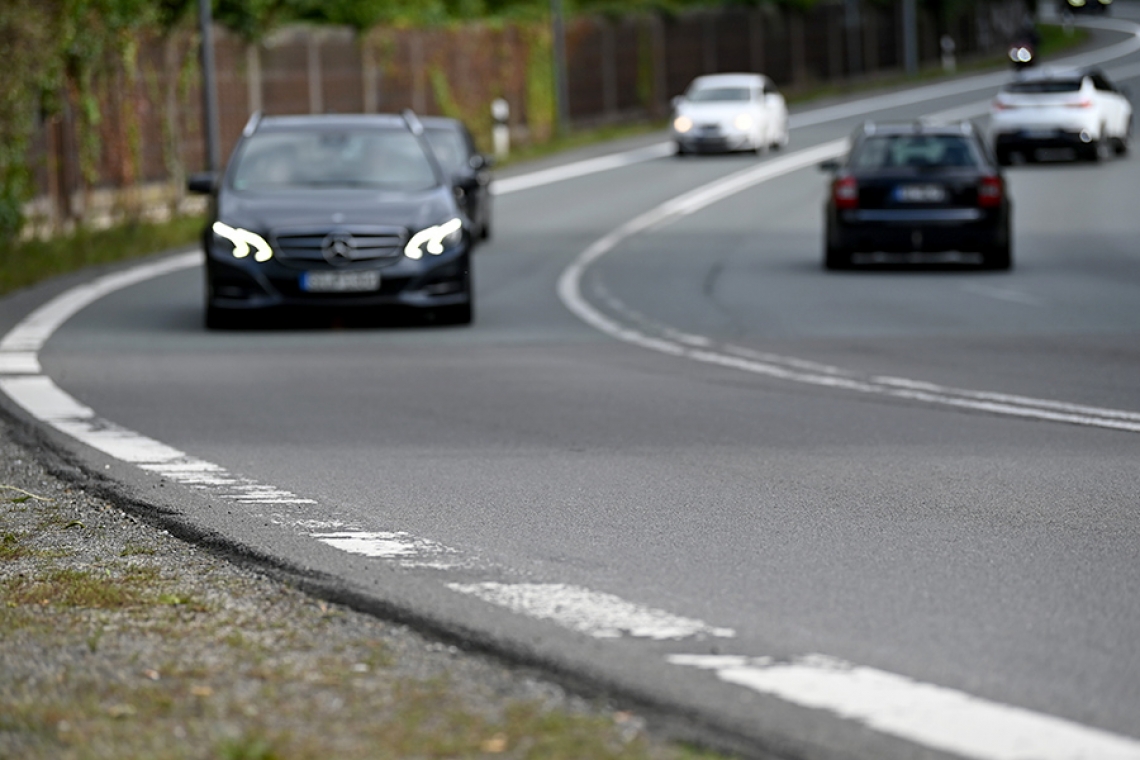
<point x="1004" y="157"/>
<point x="1091" y="152"/>
<point x="220" y="319"/>
<point x="461" y="314"/>
<point x="1121" y="144"/>
<point x="836" y="258"/>
<point x="485" y="229"/>
<point x="680" y="150"/>
<point x="998" y="257"/>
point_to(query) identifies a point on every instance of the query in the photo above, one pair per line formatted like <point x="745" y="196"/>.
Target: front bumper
<point x="246" y="285"/>
<point x="710" y="140"/>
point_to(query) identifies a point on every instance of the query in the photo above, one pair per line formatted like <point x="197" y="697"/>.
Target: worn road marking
<point x="930" y="715"/>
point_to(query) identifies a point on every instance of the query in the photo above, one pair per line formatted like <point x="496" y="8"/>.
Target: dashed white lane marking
<point x="930" y="715"/>
<point x="603" y="616"/>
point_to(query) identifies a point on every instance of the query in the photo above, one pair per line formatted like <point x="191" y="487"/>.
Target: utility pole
<point x="910" y="36"/>
<point x="209" y="86"/>
<point x="561" y="91"/>
<point x="854" y="24"/>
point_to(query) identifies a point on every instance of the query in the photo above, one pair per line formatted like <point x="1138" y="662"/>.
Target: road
<point x="889" y="513"/>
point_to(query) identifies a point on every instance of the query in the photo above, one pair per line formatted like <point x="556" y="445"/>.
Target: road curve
<point x="881" y="514"/>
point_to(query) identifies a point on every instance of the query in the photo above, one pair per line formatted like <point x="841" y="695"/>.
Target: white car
<point x="1078" y="110"/>
<point x="727" y="112"/>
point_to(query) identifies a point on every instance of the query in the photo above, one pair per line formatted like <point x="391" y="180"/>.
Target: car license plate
<point x="340" y="282"/>
<point x="920" y="194"/>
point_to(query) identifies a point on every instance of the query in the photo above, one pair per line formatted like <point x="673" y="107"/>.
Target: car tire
<point x="998" y="257"/>
<point x="680" y="150"/>
<point x="220" y="319"/>
<point x="460" y="314"/>
<point x="836" y="258"/>
<point x="1120" y="146"/>
<point x="1004" y="156"/>
<point x="1091" y="152"/>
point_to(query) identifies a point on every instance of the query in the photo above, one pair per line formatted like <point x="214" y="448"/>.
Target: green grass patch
<point x="13" y="547"/>
<point x="88" y="589"/>
<point x="27" y="262"/>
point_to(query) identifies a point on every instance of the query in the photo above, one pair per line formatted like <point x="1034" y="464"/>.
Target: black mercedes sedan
<point x="335" y="212"/>
<point x="917" y="188"/>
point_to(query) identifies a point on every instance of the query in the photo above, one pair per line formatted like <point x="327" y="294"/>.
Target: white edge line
<point x="933" y="716"/>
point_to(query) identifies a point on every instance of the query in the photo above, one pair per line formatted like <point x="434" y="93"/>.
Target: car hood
<point x="711" y="112"/>
<point x="266" y="211"/>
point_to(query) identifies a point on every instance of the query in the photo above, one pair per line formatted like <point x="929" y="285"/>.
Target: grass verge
<point x="173" y="655"/>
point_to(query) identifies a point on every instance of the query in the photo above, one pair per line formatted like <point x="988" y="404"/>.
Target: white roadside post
<point x="501" y="131"/>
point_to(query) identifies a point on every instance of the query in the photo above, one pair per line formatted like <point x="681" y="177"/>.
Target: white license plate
<point x="920" y="194"/>
<point x="340" y="282"/>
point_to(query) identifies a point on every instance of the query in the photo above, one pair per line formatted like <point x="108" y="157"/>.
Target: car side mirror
<point x="677" y="101"/>
<point x="830" y="166"/>
<point x="203" y="183"/>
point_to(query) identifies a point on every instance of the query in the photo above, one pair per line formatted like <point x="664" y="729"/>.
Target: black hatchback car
<point x="338" y="212"/>
<point x="917" y="187"/>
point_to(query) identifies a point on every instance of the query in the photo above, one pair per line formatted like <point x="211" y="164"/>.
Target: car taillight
<point x="1001" y="105"/>
<point x="990" y="191"/>
<point x="1085" y="103"/>
<point x="845" y="192"/>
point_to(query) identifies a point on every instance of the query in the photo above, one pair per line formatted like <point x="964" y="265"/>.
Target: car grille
<point x="340" y="246"/>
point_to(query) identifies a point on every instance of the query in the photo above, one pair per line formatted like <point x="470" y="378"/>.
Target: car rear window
<point x="719" y="94"/>
<point x="1047" y="86"/>
<point x="891" y="151"/>
<point x="282" y="159"/>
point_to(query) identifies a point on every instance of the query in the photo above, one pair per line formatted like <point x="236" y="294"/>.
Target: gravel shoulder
<point x="122" y="641"/>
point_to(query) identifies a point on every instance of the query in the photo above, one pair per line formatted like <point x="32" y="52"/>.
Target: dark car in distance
<point x="337" y="212"/>
<point x="468" y="169"/>
<point x="916" y="187"/>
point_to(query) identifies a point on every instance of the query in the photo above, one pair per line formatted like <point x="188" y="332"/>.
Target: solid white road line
<point x="933" y="716"/>
<point x="603" y="616"/>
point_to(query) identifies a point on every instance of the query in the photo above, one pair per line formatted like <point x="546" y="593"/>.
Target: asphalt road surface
<point x="888" y="513"/>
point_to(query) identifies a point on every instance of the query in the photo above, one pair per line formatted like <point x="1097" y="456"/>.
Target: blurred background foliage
<point x="62" y="49"/>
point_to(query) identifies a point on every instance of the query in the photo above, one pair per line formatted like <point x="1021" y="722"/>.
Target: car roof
<point x="1048" y="73"/>
<point x="332" y="121"/>
<point x="917" y="128"/>
<point x="730" y="80"/>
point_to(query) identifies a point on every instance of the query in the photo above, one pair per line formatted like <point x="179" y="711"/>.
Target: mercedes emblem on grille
<point x="338" y="248"/>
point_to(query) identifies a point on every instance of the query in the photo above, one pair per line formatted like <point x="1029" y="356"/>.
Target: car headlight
<point x="682" y="124"/>
<point x="743" y="122"/>
<point x="435" y="239"/>
<point x="244" y="242"/>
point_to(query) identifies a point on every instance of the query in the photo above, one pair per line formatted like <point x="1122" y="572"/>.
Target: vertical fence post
<point x="209" y="85"/>
<point x="561" y="87"/>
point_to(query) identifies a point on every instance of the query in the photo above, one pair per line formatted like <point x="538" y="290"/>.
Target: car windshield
<point x="890" y="151"/>
<point x="449" y="147"/>
<point x="381" y="158"/>
<point x="1044" y="86"/>
<point x="718" y="95"/>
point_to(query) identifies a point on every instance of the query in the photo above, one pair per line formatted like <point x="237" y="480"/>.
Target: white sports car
<point x="728" y="112"/>
<point x="1078" y="110"/>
